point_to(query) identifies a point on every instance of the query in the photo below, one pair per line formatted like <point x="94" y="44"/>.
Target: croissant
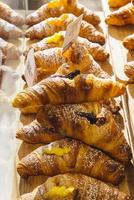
<point x="61" y="89"/>
<point x="8" y="30"/>
<point x="10" y="15"/>
<point x="76" y="57"/>
<point x="74" y="187"/>
<point x="37" y="133"/>
<point x="55" y="8"/>
<point x="129" y="69"/>
<point x="96" y="50"/>
<point x="118" y="3"/>
<point x="71" y="156"/>
<point x="9" y="50"/>
<point x="71" y="70"/>
<point x="123" y="16"/>
<point x="129" y="42"/>
<point x="49" y="26"/>
<point x="78" y="121"/>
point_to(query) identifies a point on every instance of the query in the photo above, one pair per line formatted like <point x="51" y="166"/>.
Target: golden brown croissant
<point x="71" y="156"/>
<point x="118" y="3"/>
<point x="75" y="187"/>
<point x="96" y="50"/>
<point x="9" y="50"/>
<point x="52" y="25"/>
<point x="56" y="8"/>
<point x="129" y="69"/>
<point x="68" y="89"/>
<point x="128" y="42"/>
<point x="37" y="133"/>
<point x="123" y="16"/>
<point x="8" y="30"/>
<point x="78" y="121"/>
<point x="76" y="57"/>
<point x="10" y="15"/>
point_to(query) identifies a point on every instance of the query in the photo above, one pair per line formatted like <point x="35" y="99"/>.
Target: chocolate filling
<point x="73" y="74"/>
<point x="23" y="78"/>
<point x="92" y="118"/>
<point x="89" y="116"/>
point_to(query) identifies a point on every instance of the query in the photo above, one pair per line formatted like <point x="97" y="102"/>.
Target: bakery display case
<point x="66" y="98"/>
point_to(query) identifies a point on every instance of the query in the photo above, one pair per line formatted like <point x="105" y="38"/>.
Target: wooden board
<point x="24" y="186"/>
<point x="120" y="56"/>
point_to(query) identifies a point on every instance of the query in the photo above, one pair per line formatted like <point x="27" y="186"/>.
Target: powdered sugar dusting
<point x="35" y="15"/>
<point x="6" y="26"/>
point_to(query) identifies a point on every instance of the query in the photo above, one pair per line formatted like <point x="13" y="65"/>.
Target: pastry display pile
<point x="121" y="17"/>
<point x="83" y="151"/>
<point x="9" y="22"/>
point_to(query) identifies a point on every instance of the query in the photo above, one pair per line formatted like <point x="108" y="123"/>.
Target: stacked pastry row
<point x="49" y="23"/>
<point x="83" y="148"/>
<point x="122" y="17"/>
<point x="9" y="22"/>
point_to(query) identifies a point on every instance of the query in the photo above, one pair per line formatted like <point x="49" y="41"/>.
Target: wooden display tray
<point x="22" y="186"/>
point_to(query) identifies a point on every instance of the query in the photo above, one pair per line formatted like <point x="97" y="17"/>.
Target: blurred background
<point x="92" y="4"/>
<point x="34" y="4"/>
